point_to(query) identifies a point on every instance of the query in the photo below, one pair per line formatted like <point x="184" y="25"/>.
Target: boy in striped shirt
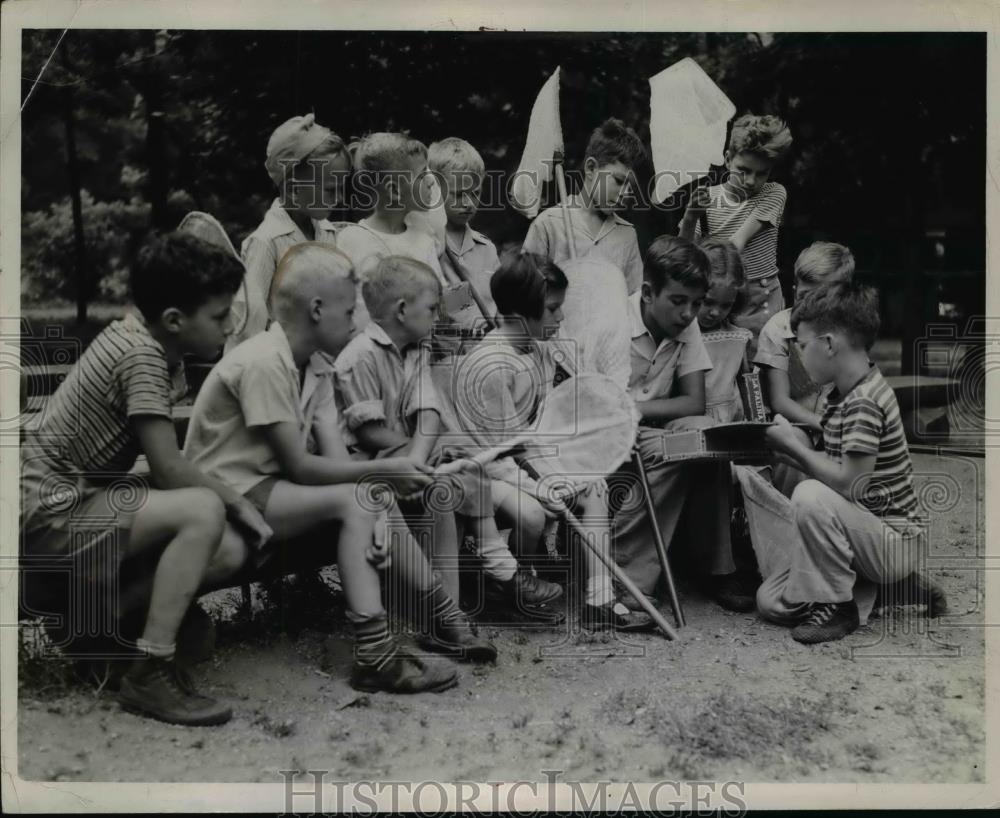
<point x="858" y="514"/>
<point x="747" y="210"/>
<point x="138" y="546"/>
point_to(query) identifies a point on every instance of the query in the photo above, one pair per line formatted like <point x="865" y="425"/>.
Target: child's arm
<point x="849" y="477"/>
<point x="360" y="394"/>
<point x="693" y="212"/>
<point x="374" y="436"/>
<point x="768" y="211"/>
<point x="168" y="469"/>
<point x="260" y="264"/>
<point x="537" y="239"/>
<point x="299" y="466"/>
<point x="690" y="401"/>
<point x="778" y="387"/>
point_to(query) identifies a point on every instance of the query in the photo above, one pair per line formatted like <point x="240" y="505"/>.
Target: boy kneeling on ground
<point x="858" y="514"/>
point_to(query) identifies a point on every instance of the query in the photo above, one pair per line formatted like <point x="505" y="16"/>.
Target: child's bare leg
<point x="592" y="511"/>
<point x="293" y="510"/>
<point x="191" y="522"/>
<point x="523" y="514"/>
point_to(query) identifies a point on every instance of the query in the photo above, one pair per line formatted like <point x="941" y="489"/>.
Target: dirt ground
<point x="736" y="698"/>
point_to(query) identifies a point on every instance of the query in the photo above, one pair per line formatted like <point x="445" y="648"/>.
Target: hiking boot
<point x="457" y="636"/>
<point x="827" y="622"/>
<point x="153" y="688"/>
<point x="195" y="636"/>
<point x="403" y="673"/>
<point x="734" y="592"/>
<point x="614" y="617"/>
<point x="525" y="592"/>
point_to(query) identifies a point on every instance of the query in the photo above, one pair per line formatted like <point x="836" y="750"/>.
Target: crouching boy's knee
<point x="810" y="498"/>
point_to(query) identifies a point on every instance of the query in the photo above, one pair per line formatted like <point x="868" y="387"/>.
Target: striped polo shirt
<point x="85" y="427"/>
<point x="866" y="421"/>
<point x="725" y="215"/>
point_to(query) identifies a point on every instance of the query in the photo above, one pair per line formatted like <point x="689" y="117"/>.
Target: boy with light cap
<point x="309" y="165"/>
<point x="265" y="423"/>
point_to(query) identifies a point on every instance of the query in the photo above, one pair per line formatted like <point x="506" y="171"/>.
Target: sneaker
<point x="195" y="636"/>
<point x="827" y="622"/>
<point x="460" y="638"/>
<point x="524" y="591"/>
<point x="153" y="688"/>
<point x="734" y="592"/>
<point x="614" y="617"/>
<point x="405" y="674"/>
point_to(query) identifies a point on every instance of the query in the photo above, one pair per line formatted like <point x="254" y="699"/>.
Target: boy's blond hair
<point x="765" y="136"/>
<point x="383" y="151"/>
<point x="395" y="278"/>
<point x="301" y="269"/>
<point x="824" y="262"/>
<point x="455" y="155"/>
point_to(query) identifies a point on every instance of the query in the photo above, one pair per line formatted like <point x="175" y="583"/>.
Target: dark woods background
<point x="129" y="130"/>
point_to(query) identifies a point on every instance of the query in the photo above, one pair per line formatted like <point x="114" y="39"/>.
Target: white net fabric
<point x="596" y="317"/>
<point x="586" y="430"/>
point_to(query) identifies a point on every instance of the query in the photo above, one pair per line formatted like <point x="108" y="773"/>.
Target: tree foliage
<point x="888" y="145"/>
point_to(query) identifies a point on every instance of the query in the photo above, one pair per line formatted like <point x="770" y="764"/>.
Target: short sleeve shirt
<point x="655" y="367"/>
<point x="253" y="387"/>
<point x="866" y="421"/>
<point x="376" y="382"/>
<point x="85" y="427"/>
<point x="776" y="349"/>
<point x="364" y="246"/>
<point x="615" y="241"/>
<point x="725" y="216"/>
<point x="478" y="258"/>
<point x="261" y="251"/>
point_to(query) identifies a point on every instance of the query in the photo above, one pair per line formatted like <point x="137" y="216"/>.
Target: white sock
<point x="599" y="590"/>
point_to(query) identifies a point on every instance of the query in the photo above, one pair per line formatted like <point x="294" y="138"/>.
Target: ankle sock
<point x="436" y="606"/>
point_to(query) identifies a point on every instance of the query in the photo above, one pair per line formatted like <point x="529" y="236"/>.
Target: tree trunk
<point x="81" y="265"/>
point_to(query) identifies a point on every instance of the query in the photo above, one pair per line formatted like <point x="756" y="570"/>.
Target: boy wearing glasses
<point x="857" y="512"/>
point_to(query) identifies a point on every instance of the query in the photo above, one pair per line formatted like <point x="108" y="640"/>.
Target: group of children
<point x="321" y="428"/>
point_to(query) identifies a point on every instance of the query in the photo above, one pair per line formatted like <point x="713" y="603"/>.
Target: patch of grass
<point x="42" y="672"/>
<point x="750" y="728"/>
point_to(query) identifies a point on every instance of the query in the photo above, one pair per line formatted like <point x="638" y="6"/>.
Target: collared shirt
<point x="252" y="387"/>
<point x="655" y="367"/>
<point x="479" y="259"/>
<point x="615" y="241"/>
<point x="85" y="427"/>
<point x="261" y="251"/>
<point x="378" y="382"/>
<point x="364" y="246"/>
<point x="776" y="349"/>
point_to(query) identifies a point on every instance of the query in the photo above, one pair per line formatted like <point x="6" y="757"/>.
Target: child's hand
<point x="407" y="475"/>
<point x="251" y="523"/>
<point x="650" y="444"/>
<point x="378" y="556"/>
<point x="553" y="505"/>
<point x="698" y="203"/>
<point x="782" y="436"/>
